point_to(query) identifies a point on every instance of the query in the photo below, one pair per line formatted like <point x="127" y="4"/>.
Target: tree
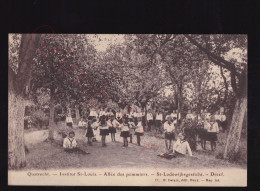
<point x="135" y="86"/>
<point x="59" y="67"/>
<point x="175" y="58"/>
<point x="18" y="78"/>
<point x="214" y="47"/>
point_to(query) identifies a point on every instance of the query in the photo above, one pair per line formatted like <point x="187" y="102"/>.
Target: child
<point x="204" y="132"/>
<point x="139" y="131"/>
<point x="181" y="147"/>
<point x="206" y="114"/>
<point x="190" y="115"/>
<point x="95" y="126"/>
<point x="217" y="115"/>
<point x="113" y="124"/>
<point x="82" y="123"/>
<point x="119" y="116"/>
<point x="132" y="113"/>
<point x="102" y="112"/>
<point x="93" y="114"/>
<point x="169" y="114"/>
<point x="69" y="121"/>
<point x="174" y="114"/>
<point x="169" y="129"/>
<point x="212" y="133"/>
<point x="131" y="125"/>
<point x="158" y="121"/>
<point x="109" y="113"/>
<point x="103" y="130"/>
<point x="89" y="132"/>
<point x="221" y="120"/>
<point x="125" y="133"/>
<point x="149" y="118"/>
<point x="70" y="144"/>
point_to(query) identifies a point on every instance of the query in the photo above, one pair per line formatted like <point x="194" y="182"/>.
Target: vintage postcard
<point x="127" y="109"/>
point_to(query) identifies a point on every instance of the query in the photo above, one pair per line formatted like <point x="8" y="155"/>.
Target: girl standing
<point x="131" y="125"/>
<point x="139" y="131"/>
<point x="93" y="114"/>
<point x="103" y="130"/>
<point x="158" y="121"/>
<point x="69" y="121"/>
<point x="169" y="129"/>
<point x="82" y="123"/>
<point x="174" y="114"/>
<point x="109" y="113"/>
<point x="119" y="117"/>
<point x="89" y="132"/>
<point x="204" y="132"/>
<point x="125" y="133"/>
<point x="95" y="126"/>
<point x="102" y="112"/>
<point x="113" y="124"/>
<point x="212" y="133"/>
<point x="149" y="118"/>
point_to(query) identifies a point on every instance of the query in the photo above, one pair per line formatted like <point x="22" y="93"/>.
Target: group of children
<point x="208" y="127"/>
<point x="210" y="131"/>
<point x="209" y="122"/>
<point x="133" y="123"/>
<point x="128" y="127"/>
<point x="109" y="122"/>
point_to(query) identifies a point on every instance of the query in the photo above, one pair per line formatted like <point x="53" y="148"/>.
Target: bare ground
<point x="50" y="155"/>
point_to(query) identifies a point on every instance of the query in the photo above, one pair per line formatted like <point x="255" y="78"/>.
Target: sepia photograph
<point x="127" y="109"/>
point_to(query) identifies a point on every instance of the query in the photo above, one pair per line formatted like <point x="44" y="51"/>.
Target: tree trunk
<point x="176" y="102"/>
<point x="16" y="150"/>
<point x="180" y="104"/>
<point x="16" y="101"/>
<point x="77" y="112"/>
<point x="233" y="140"/>
<point x="197" y="92"/>
<point x="51" y="118"/>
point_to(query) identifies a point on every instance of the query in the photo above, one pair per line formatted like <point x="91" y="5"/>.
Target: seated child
<point x="181" y="147"/>
<point x="70" y="144"/>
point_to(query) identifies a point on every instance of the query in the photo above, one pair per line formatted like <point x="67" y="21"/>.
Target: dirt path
<point x="45" y="155"/>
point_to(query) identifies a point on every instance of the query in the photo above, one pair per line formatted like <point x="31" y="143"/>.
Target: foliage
<point x="13" y="52"/>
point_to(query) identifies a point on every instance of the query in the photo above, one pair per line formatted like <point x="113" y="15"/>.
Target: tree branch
<point x="214" y="58"/>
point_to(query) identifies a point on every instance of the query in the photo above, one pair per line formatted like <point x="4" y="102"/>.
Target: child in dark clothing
<point x="89" y="132"/>
<point x="125" y="133"/>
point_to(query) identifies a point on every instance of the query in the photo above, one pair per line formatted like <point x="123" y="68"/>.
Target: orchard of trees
<point x="66" y="71"/>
